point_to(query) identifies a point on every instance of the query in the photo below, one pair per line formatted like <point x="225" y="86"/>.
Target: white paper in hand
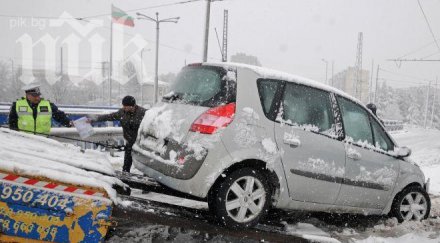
<point x="84" y="129"/>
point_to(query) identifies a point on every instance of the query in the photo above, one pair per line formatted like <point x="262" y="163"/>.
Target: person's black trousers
<point x="128" y="160"/>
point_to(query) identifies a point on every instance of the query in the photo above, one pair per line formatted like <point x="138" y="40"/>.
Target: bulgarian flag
<point x="121" y="17"/>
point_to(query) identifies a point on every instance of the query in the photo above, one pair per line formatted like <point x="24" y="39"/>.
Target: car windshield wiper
<point x="172" y="97"/>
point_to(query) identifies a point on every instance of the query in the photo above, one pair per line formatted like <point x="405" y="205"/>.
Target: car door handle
<point x="353" y="154"/>
<point x="293" y="142"/>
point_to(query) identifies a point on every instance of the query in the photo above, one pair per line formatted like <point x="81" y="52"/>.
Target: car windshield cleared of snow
<point x="200" y="85"/>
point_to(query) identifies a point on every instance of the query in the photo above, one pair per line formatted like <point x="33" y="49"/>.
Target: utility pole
<point x="142" y="77"/>
<point x="61" y="66"/>
<point x="205" y="45"/>
<point x="110" y="67"/>
<point x="433" y="103"/>
<point x="225" y="36"/>
<point x="426" y="107"/>
<point x="356" y="90"/>
<point x="104" y="72"/>
<point x="370" y="87"/>
<point x="326" y="69"/>
<point x="333" y="63"/>
<point x="157" y="21"/>
<point x="377" y="79"/>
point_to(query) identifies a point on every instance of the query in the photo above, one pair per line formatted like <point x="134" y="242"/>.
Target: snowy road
<point x="425" y="145"/>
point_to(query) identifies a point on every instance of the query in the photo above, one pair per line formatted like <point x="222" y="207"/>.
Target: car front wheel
<point x="412" y="203"/>
<point x="241" y="199"/>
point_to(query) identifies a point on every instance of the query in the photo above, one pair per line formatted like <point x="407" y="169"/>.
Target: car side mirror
<point x="403" y="152"/>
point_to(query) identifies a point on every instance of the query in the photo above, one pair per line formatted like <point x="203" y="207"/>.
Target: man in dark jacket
<point x="372" y="107"/>
<point x="130" y="116"/>
<point x="34" y="114"/>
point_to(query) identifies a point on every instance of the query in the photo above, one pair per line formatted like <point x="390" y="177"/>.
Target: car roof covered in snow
<point x="275" y="74"/>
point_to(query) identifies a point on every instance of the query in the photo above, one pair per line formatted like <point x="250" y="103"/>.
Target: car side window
<point x="267" y="90"/>
<point x="308" y="107"/>
<point x="381" y="139"/>
<point x="356" y="121"/>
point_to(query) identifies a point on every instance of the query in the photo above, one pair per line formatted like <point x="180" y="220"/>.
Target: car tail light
<point x="214" y="119"/>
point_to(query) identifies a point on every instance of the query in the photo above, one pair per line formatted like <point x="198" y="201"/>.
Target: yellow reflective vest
<point x="26" y="121"/>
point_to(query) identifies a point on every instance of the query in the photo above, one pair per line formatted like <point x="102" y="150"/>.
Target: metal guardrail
<point x="72" y="111"/>
<point x="393" y="125"/>
<point x="105" y="135"/>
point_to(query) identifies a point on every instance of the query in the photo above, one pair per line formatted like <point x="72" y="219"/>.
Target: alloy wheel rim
<point x="245" y="199"/>
<point x="413" y="206"/>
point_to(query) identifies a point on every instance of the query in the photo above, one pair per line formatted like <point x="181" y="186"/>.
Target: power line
<point x="43" y="59"/>
<point x="416" y="50"/>
<point x="414" y="60"/>
<point x="429" y="26"/>
<point x="164" y="45"/>
<point x="144" y="8"/>
<point x="403" y="75"/>
<point x="430" y="55"/>
<point x="127" y="34"/>
<point x="97" y="15"/>
<point x="34" y="17"/>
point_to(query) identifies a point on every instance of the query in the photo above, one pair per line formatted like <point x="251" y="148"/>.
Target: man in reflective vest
<point x="34" y="114"/>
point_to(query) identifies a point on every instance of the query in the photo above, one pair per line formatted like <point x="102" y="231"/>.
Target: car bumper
<point x="177" y="161"/>
<point x="427" y="185"/>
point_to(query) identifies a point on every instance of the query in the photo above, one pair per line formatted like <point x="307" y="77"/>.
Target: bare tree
<point x="7" y="91"/>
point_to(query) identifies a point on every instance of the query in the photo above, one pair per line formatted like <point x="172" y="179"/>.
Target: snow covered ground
<point x="425" y="146"/>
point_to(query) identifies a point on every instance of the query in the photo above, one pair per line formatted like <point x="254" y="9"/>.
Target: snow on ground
<point x="425" y="146"/>
<point x="30" y="155"/>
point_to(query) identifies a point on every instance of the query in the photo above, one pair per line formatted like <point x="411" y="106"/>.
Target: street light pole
<point x="14" y="81"/>
<point x="156" y="69"/>
<point x="142" y="78"/>
<point x="326" y="69"/>
<point x="205" y="43"/>
<point x="157" y="21"/>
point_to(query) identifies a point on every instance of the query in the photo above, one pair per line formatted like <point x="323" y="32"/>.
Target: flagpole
<point x="111" y="60"/>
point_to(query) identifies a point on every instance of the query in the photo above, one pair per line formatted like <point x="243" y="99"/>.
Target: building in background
<point x="346" y="81"/>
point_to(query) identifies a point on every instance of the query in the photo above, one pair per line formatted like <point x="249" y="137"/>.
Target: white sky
<point x="289" y="35"/>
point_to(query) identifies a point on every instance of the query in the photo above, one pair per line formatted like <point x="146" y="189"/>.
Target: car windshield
<point x="204" y="86"/>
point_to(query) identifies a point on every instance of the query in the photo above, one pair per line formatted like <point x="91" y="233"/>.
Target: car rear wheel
<point x="412" y="203"/>
<point x="241" y="199"/>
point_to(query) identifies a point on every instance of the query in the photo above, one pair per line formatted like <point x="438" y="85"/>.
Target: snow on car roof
<point x="275" y="74"/>
<point x="31" y="155"/>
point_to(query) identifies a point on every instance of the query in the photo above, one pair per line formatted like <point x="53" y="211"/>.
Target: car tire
<point x="241" y="199"/>
<point x="412" y="203"/>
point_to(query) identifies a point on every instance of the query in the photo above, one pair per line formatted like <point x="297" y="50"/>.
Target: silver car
<point x="247" y="139"/>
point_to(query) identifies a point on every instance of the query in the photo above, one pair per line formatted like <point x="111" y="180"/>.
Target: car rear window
<point x="202" y="85"/>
